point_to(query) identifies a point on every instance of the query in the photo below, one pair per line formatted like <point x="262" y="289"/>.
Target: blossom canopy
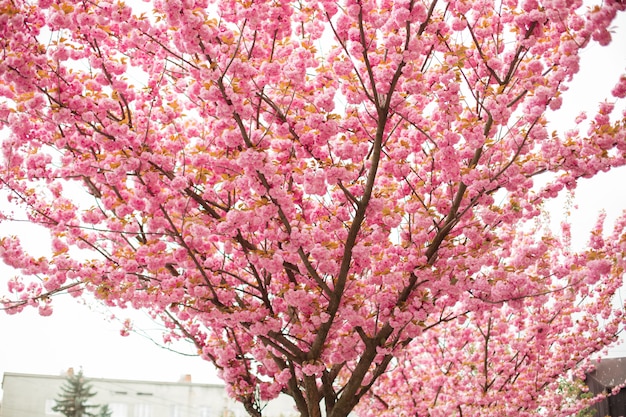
<point x="322" y="196"/>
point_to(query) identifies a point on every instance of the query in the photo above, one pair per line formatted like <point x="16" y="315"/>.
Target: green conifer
<point x="105" y="411"/>
<point x="74" y="397"/>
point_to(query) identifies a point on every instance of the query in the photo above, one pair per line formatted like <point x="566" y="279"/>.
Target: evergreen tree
<point x="75" y="394"/>
<point x="105" y="411"/>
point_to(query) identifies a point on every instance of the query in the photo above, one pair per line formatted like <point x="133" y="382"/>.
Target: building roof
<point x="184" y="379"/>
<point x="609" y="372"/>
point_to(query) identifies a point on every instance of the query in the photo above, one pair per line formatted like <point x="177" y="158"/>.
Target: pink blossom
<point x="620" y="89"/>
<point x="45" y="309"/>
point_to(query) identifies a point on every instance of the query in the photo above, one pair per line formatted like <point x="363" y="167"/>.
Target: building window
<point x="175" y="411"/>
<point x="118" y="409"/>
<point x="143" y="410"/>
<point x="49" y="410"/>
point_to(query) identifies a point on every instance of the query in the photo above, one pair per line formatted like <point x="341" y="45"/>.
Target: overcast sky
<point x="83" y="336"/>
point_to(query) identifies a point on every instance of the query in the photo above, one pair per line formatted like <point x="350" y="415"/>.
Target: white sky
<point x="82" y="336"/>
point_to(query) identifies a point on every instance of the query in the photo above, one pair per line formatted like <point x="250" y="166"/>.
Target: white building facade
<point x="29" y="395"/>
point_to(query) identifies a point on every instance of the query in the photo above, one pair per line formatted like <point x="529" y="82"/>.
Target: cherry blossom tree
<point x="334" y="200"/>
<point x="515" y="360"/>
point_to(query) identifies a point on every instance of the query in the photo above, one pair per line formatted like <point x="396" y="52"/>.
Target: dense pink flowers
<point x="332" y="200"/>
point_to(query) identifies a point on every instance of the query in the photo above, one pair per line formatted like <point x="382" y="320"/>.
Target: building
<point x="607" y="375"/>
<point x="28" y="395"/>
